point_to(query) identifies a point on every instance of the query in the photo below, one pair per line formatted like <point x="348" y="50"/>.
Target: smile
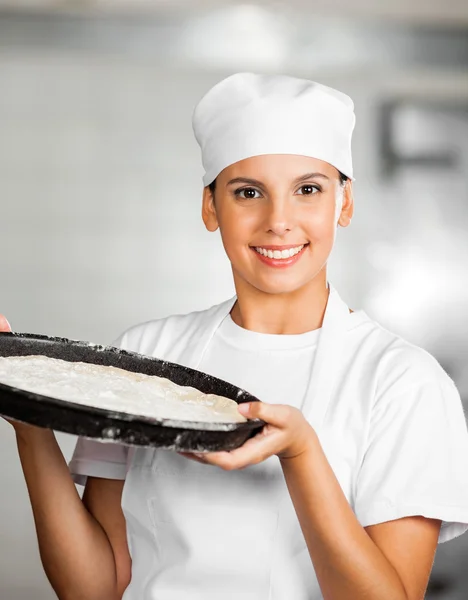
<point x="279" y="254"/>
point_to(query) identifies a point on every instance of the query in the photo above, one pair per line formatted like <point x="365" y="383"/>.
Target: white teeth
<point x="279" y="254"/>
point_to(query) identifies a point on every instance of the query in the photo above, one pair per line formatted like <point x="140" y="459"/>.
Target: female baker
<point x="362" y="467"/>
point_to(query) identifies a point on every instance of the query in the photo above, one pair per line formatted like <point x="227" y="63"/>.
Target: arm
<point x="103" y="498"/>
<point x="82" y="544"/>
<point x="392" y="560"/>
<point x="389" y="561"/>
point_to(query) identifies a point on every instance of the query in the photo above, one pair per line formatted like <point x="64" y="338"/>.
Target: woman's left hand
<point x="286" y="433"/>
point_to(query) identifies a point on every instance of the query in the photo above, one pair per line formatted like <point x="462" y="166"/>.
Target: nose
<point x="279" y="218"/>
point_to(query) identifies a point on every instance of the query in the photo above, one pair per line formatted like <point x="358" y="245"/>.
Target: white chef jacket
<point x="388" y="417"/>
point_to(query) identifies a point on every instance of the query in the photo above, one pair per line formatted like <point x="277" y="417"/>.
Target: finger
<point x="254" y="451"/>
<point x="279" y="415"/>
<point x="4" y="325"/>
<point x="193" y="456"/>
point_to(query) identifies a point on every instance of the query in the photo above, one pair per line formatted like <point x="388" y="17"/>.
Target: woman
<point x="362" y="467"/>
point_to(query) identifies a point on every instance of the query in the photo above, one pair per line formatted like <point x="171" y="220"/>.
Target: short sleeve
<point x="92" y="458"/>
<point x="416" y="459"/>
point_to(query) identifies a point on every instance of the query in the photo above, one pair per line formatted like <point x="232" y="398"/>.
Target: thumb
<point x="4" y="325"/>
<point x="276" y="414"/>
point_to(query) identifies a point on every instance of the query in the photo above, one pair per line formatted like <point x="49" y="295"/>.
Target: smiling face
<point x="277" y="215"/>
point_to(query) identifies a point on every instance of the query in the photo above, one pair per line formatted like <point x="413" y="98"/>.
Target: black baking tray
<point x="116" y="426"/>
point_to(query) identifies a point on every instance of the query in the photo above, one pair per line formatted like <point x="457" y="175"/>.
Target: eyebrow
<point x="311" y="176"/>
<point x="260" y="184"/>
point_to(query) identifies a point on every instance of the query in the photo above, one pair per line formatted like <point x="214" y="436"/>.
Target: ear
<point x="347" y="208"/>
<point x="209" y="210"/>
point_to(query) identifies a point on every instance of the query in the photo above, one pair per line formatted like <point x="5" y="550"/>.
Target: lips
<point x="279" y="256"/>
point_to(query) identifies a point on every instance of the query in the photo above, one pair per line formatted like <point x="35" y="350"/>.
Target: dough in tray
<point x="116" y="389"/>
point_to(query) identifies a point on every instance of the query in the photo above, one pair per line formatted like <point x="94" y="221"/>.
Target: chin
<point x="279" y="282"/>
<point x="278" y="287"/>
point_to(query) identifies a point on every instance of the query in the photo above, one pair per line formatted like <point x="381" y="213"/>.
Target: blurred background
<point x="100" y="180"/>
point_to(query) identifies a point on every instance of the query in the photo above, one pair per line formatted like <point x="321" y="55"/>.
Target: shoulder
<point x="144" y="337"/>
<point x="397" y="364"/>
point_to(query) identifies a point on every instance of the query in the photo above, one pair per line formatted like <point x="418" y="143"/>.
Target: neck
<point x="289" y="313"/>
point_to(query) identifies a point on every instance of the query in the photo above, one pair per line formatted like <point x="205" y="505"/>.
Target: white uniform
<point x="388" y="417"/>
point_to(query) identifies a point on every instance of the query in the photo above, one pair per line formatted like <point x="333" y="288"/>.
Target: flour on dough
<point x="116" y="389"/>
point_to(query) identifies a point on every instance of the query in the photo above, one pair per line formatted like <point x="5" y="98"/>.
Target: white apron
<point x="197" y="532"/>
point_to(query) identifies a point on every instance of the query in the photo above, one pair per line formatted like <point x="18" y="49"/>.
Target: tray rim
<point x="220" y="426"/>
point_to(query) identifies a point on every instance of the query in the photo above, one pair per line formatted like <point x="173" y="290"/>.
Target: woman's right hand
<point x="20" y="428"/>
<point x="4" y="325"/>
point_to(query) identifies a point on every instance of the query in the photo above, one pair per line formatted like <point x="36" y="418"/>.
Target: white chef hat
<point x="248" y="115"/>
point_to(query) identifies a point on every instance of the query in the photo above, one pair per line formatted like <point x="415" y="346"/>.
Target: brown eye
<point x="309" y="189"/>
<point x="247" y="193"/>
